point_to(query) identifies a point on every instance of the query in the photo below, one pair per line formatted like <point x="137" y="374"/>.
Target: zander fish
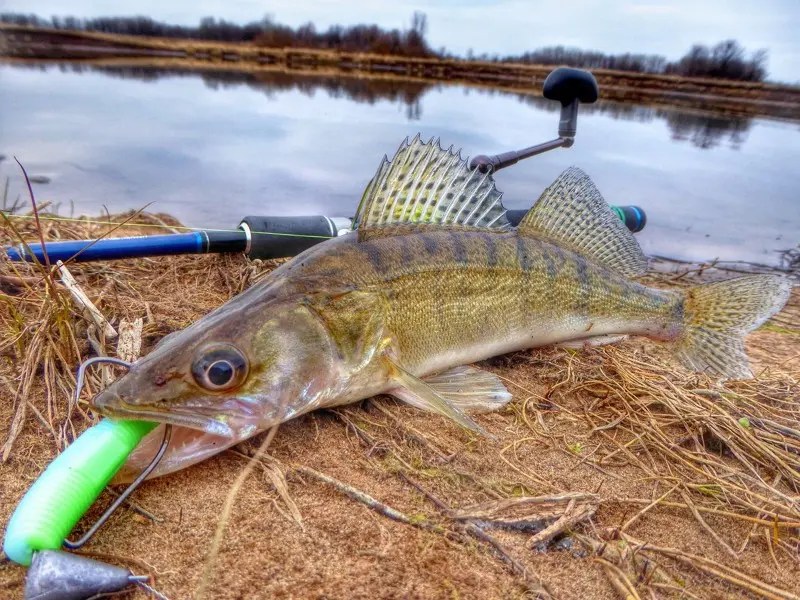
<point x="433" y="279"/>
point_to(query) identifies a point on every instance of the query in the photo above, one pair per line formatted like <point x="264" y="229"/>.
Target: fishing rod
<point x="265" y="237"/>
<point x="46" y="515"/>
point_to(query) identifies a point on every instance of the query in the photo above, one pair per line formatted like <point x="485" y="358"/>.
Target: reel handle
<point x="570" y="87"/>
<point x="567" y="85"/>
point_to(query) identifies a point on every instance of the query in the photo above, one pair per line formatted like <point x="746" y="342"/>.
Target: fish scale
<point x="461" y="288"/>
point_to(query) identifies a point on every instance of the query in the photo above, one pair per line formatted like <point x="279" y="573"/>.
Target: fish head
<point x="228" y="376"/>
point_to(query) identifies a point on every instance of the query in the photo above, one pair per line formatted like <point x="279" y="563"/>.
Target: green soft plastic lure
<point x="68" y="486"/>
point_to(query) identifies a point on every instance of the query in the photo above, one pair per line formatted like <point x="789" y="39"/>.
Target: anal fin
<point x="592" y="342"/>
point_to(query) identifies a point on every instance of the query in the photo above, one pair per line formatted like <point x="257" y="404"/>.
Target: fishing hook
<point x="136" y="482"/>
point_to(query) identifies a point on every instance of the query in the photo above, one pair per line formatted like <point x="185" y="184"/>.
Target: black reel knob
<point x="566" y="84"/>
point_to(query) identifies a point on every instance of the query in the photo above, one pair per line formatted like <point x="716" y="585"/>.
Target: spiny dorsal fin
<point x="427" y="185"/>
<point x="572" y="213"/>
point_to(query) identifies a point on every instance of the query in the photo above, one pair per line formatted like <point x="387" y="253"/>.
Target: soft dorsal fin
<point x="572" y="213"/>
<point x="426" y="185"/>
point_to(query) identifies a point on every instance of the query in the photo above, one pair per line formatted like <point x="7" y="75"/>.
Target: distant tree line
<point x="591" y="59"/>
<point x="360" y="38"/>
<point x="366" y="90"/>
<point x="725" y="60"/>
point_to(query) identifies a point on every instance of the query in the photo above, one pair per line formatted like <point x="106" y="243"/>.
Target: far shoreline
<point x="24" y="44"/>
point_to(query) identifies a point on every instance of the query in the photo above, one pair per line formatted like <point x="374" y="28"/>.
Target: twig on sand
<point x="675" y="589"/>
<point x="83" y="302"/>
<point x="274" y="470"/>
<point x="278" y="479"/>
<point x="710" y="567"/>
<point x="619" y="580"/>
<point x="653" y="504"/>
<point x="369" y="501"/>
<point x="535" y="583"/>
<point x="771" y="523"/>
<point x="635" y="564"/>
<point x="565" y="510"/>
<point x="411" y="433"/>
<point x="16" y="426"/>
<point x="688" y="500"/>
<point x="135" y="507"/>
<point x="573" y="514"/>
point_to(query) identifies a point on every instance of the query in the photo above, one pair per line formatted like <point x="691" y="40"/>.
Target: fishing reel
<point x="568" y="86"/>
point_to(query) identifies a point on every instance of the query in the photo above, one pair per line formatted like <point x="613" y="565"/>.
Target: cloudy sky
<point x="667" y="27"/>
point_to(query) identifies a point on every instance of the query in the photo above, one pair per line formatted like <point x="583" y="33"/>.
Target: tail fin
<point x="717" y="316"/>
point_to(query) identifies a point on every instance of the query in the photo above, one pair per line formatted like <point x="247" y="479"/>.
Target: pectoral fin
<point x="417" y="393"/>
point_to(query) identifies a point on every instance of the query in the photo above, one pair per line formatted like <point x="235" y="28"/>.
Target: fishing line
<point x="167" y="227"/>
<point x="150" y="590"/>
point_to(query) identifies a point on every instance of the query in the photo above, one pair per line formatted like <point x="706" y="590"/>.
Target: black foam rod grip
<point x="281" y="237"/>
<point x="633" y="217"/>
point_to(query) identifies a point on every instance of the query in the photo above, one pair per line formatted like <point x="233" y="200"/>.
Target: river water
<point x="210" y="148"/>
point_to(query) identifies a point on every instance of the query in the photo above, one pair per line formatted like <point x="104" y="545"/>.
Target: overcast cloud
<point x="667" y="27"/>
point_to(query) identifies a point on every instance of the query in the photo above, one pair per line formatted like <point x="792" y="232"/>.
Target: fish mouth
<point x="228" y="418"/>
<point x="199" y="431"/>
<point x="187" y="447"/>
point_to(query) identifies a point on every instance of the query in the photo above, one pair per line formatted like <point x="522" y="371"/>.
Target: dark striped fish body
<point x="433" y="279"/>
<point x="456" y="297"/>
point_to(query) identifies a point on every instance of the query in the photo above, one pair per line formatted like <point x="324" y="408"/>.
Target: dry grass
<point x="614" y="474"/>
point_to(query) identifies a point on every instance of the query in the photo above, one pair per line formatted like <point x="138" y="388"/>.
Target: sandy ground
<point x="558" y="435"/>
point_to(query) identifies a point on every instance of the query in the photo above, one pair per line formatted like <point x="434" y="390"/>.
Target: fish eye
<point x="220" y="373"/>
<point x="219" y="367"/>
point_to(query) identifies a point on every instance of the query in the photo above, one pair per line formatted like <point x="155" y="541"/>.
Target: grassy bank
<point x="613" y="473"/>
<point x="749" y="98"/>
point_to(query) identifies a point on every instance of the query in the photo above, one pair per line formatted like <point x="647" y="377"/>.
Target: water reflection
<point x="702" y="130"/>
<point x="210" y="146"/>
<point x="368" y="90"/>
<point x="708" y="131"/>
<point x="705" y="131"/>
